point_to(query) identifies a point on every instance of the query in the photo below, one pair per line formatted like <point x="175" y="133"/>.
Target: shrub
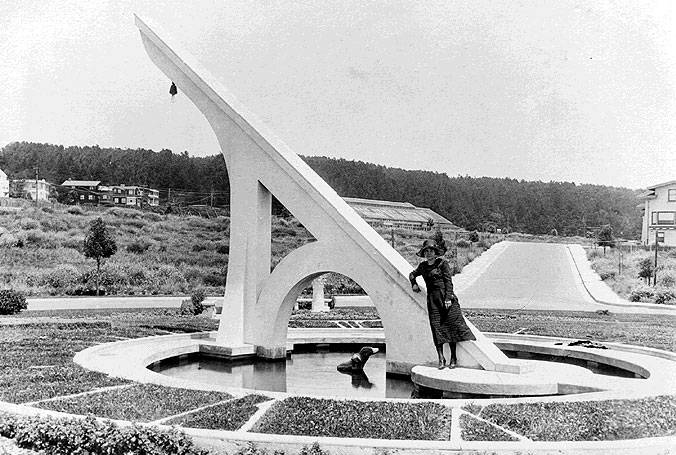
<point x="462" y="243"/>
<point x="646" y="268"/>
<point x="70" y="436"/>
<point x="223" y="248"/>
<point x="214" y="279"/>
<point x="665" y="296"/>
<point x="667" y="280"/>
<point x="607" y="274"/>
<point x="63" y="277"/>
<point x="12" y="302"/>
<point x="474" y="236"/>
<point x="47" y="209"/>
<point x="187" y="308"/>
<point x="75" y="210"/>
<point x="197" y="297"/>
<point x="139" y="246"/>
<point x="152" y="217"/>
<point x="641" y="294"/>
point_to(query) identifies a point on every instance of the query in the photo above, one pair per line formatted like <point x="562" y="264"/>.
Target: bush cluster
<point x="89" y="436"/>
<point x="11" y="302"/>
<point x="660" y="294"/>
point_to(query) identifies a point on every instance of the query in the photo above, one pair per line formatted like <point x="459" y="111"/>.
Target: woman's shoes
<point x="453" y="364"/>
<point x="442" y="365"/>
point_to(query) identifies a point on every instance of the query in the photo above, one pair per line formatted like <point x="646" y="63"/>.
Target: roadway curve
<point x="535" y="276"/>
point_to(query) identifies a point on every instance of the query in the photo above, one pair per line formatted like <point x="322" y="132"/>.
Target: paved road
<point x="534" y="276"/>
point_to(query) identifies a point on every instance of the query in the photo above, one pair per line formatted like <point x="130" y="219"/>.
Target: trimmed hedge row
<point x="587" y="420"/>
<point x="356" y="419"/>
<point x="89" y="436"/>
<point x="229" y="416"/>
<point x="140" y="402"/>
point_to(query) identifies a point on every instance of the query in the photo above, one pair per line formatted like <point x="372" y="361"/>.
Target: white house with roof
<point x="4" y="184"/>
<point x="659" y="214"/>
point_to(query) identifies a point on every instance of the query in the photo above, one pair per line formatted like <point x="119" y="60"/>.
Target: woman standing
<point x="448" y="325"/>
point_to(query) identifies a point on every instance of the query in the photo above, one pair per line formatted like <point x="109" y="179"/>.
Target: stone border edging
<point x="235" y="440"/>
<point x="599" y="291"/>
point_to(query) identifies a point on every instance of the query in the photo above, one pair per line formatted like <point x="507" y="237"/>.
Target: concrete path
<point x="542" y="276"/>
<point x="100" y="303"/>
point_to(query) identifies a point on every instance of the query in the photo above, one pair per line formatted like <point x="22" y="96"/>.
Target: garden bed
<point x="473" y="429"/>
<point x="140" y="402"/>
<point x="356" y="419"/>
<point x="586" y="420"/>
<point x="229" y="416"/>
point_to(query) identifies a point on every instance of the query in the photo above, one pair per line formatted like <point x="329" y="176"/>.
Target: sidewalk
<point x="600" y="291"/>
<point x="100" y="303"/>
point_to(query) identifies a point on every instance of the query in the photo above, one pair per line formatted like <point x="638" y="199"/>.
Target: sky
<point x="572" y="91"/>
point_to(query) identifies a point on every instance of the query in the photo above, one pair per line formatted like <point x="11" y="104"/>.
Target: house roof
<point x="371" y="209"/>
<point x="2" y="174"/>
<point x="81" y="183"/>
<point x="671" y="182"/>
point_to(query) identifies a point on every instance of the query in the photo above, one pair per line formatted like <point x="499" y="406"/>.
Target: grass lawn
<point x="229" y="416"/>
<point x="356" y="419"/>
<point x="587" y="420"/>
<point x="37" y="354"/>
<point x="140" y="402"/>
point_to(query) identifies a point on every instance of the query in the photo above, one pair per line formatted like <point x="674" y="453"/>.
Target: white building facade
<point x="659" y="214"/>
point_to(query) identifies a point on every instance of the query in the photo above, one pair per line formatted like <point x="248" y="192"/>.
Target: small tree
<point x="99" y="244"/>
<point x="438" y="238"/>
<point x="605" y="237"/>
<point x="474" y="236"/>
<point x="11" y="301"/>
<point x="646" y="268"/>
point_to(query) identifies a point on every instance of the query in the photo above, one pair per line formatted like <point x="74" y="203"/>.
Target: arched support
<point x="257" y="305"/>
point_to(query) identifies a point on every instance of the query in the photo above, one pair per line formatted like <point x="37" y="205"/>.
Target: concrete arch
<point x="294" y="273"/>
<point x="260" y="165"/>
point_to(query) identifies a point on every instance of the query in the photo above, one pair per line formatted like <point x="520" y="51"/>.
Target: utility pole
<point x="655" y="271"/>
<point x="37" y="169"/>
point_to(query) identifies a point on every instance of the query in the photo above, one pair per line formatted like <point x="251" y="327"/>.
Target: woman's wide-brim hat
<point x="430" y="244"/>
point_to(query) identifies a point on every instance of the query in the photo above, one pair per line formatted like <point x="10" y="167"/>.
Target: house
<point x="84" y="191"/>
<point x="4" y="184"/>
<point x="399" y="214"/>
<point x="659" y="214"/>
<point x="30" y="189"/>
<point x="134" y="196"/>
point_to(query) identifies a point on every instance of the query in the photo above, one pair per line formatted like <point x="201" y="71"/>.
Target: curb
<point x="595" y="286"/>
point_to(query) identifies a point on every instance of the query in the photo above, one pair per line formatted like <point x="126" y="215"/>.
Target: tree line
<point x="481" y="203"/>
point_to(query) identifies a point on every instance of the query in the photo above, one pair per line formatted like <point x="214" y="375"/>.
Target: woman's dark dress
<point x="448" y="326"/>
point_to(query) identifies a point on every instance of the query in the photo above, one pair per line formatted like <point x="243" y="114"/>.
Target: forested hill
<point x="530" y="207"/>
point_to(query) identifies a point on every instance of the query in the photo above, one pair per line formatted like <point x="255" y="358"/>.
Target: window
<point x="659" y="237"/>
<point x="130" y="192"/>
<point x="664" y="218"/>
<point x="116" y="200"/>
<point x="671" y="195"/>
<point x="82" y="197"/>
<point x="91" y="198"/>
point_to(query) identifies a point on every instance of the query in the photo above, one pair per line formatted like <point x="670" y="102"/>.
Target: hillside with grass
<point x="41" y="251"/>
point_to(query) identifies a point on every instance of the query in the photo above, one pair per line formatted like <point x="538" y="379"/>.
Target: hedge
<point x="91" y="437"/>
